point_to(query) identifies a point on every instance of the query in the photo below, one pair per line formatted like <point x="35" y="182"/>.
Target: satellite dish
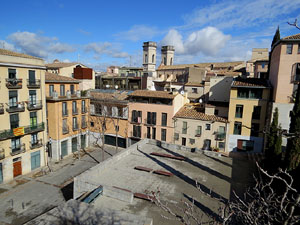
<point x="200" y="100"/>
<point x="182" y="92"/>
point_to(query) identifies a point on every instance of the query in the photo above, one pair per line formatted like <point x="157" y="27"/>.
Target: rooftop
<point x="55" y="78"/>
<point x="17" y="54"/>
<point x="109" y="95"/>
<point x="292" y="37"/>
<point x="195" y="111"/>
<point x="152" y="94"/>
<point x="201" y="65"/>
<point x="250" y="82"/>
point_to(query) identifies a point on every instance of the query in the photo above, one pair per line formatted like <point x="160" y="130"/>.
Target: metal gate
<point x="35" y="160"/>
<point x="64" y="148"/>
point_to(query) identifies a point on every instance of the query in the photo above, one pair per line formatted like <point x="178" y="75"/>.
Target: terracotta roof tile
<point x="250" y="82"/>
<point x="17" y="54"/>
<point x="116" y="95"/>
<point x="292" y="37"/>
<point x="60" y="64"/>
<point x="52" y="77"/>
<point x="153" y="94"/>
<point x="202" y="65"/>
<point x="194" y="111"/>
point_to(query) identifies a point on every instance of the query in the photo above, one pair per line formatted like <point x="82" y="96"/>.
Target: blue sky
<point x="103" y="33"/>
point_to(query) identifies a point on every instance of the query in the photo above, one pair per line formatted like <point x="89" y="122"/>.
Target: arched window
<point x="165" y="60"/>
<point x="146" y="58"/>
<point x="153" y="58"/>
<point x="171" y="61"/>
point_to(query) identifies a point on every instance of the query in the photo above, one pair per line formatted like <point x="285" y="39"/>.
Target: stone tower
<point x="149" y="56"/>
<point x="167" y="55"/>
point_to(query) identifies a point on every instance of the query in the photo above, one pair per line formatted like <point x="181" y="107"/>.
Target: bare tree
<point x="294" y="24"/>
<point x="265" y="203"/>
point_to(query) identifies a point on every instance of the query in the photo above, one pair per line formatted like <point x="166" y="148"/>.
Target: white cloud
<point x="138" y="32"/>
<point x="38" y="45"/>
<point x="106" y="48"/>
<point x="6" y="45"/>
<point x="207" y="41"/>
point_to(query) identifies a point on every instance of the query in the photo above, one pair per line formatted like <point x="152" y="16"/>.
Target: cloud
<point x="38" y="45"/>
<point x="106" y="48"/>
<point x="241" y="14"/>
<point x="138" y="32"/>
<point x="207" y="41"/>
<point x="6" y="45"/>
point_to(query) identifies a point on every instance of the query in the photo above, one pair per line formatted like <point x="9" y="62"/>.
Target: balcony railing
<point x="18" y="150"/>
<point x="2" y="153"/>
<point x="65" y="130"/>
<point x="37" y="144"/>
<point x="75" y="111"/>
<point x="83" y="124"/>
<point x="34" y="128"/>
<point x="34" y="83"/>
<point x="1" y="108"/>
<point x="16" y="108"/>
<point x="6" y="134"/>
<point x="220" y="136"/>
<point x="75" y="126"/>
<point x="13" y="83"/>
<point x="36" y="106"/>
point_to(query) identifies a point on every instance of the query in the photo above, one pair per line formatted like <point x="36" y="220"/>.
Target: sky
<point x="103" y="33"/>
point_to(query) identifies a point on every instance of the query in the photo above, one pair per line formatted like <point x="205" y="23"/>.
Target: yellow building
<point x="247" y="114"/>
<point x="67" y="115"/>
<point x="22" y="114"/>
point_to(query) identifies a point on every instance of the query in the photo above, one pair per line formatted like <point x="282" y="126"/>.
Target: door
<point x="35" y="160"/>
<point x="31" y="77"/>
<point x="64" y="148"/>
<point x="17" y="165"/>
<point x="183" y="142"/>
<point x="83" y="141"/>
<point x="74" y="144"/>
<point x="1" y="176"/>
<point x="206" y="144"/>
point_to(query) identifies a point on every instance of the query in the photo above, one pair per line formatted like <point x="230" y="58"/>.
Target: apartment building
<point x="151" y="113"/>
<point x="284" y="76"/>
<point x="67" y="115"/>
<point x="249" y="98"/>
<point x="198" y="127"/>
<point x="22" y="114"/>
<point x="75" y="70"/>
<point x="109" y="118"/>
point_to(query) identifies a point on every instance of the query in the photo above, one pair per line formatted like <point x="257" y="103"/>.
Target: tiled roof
<point x="152" y="94"/>
<point x="16" y="54"/>
<point x="58" y="64"/>
<point x="250" y="82"/>
<point x="52" y="77"/>
<point x="193" y="111"/>
<point x="202" y="65"/>
<point x="193" y="84"/>
<point x="292" y="37"/>
<point x="116" y="95"/>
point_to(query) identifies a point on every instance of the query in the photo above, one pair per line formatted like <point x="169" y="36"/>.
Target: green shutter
<point x="35" y="160"/>
<point x="64" y="148"/>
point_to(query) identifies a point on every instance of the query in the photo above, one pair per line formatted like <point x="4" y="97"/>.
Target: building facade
<point x="23" y="136"/>
<point x="67" y="116"/>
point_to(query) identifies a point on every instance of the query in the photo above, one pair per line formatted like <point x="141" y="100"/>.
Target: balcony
<point x="75" y="111"/>
<point x="2" y="153"/>
<point x="18" y="150"/>
<point x="220" y="136"/>
<point x="16" y="108"/>
<point x="33" y="83"/>
<point x="1" y="108"/>
<point x="38" y="105"/>
<point x="65" y="130"/>
<point x="84" y="125"/>
<point x="13" y="83"/>
<point x="75" y="126"/>
<point x="37" y="144"/>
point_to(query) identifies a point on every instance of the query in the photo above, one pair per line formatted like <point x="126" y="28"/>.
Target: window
<point x="51" y="90"/>
<point x="151" y="118"/>
<point x="64" y="109"/>
<point x="34" y="139"/>
<point x="194" y="90"/>
<point x="153" y="58"/>
<point x="65" y="127"/>
<point x="14" y="121"/>
<point x="184" y="127"/>
<point x="263" y="65"/>
<point x="148" y="132"/>
<point x="192" y="141"/>
<point x="153" y="133"/>
<point x="98" y="109"/>
<point x="83" y="121"/>
<point x="117" y="128"/>
<point x="72" y="89"/>
<point x="31" y="77"/>
<point x="253" y="93"/>
<point x="256" y="112"/>
<point x="239" y="111"/>
<point x="221" y="145"/>
<point x="176" y="136"/>
<point x="12" y="74"/>
<point x="216" y="112"/>
<point x="83" y="109"/>
<point x="32" y="97"/>
<point x="237" y="128"/>
<point x="245" y="145"/>
<point x="163" y="134"/>
<point x="146" y="58"/>
<point x="75" y="125"/>
<point x="92" y="124"/>
<point x="207" y="126"/>
<point x="136" y="116"/>
<point x="136" y="131"/>
<point x="165" y="61"/>
<point x="254" y="130"/>
<point x="243" y="93"/>
<point x="15" y="144"/>
<point x="171" y="61"/>
<point x="164" y="119"/>
<point x="33" y="119"/>
<point x="289" y="49"/>
<point x="198" y="131"/>
<point x="62" y="90"/>
<point x="74" y="107"/>
<point x="13" y="98"/>
<point x="183" y="141"/>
